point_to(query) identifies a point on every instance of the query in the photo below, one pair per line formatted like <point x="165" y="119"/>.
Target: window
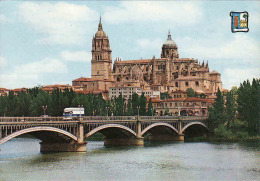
<point x="187" y="84"/>
<point x="197" y="83"/>
<point x="176" y="84"/>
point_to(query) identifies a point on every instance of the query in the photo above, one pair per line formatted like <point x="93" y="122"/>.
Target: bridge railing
<point x="33" y="119"/>
<point x="102" y="118"/>
<point x="98" y="118"/>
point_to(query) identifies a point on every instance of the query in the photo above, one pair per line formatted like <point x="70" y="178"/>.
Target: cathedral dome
<point x="100" y="33"/>
<point x="169" y="42"/>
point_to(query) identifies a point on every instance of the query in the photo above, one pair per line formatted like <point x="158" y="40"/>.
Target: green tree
<point x="129" y="108"/>
<point x="135" y="103"/>
<point x="143" y="103"/>
<point x="150" y="108"/>
<point x="216" y="112"/>
<point x="165" y="95"/>
<point x="191" y="93"/>
<point x="230" y="109"/>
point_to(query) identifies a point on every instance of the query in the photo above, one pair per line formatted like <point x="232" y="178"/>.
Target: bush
<point x="241" y="135"/>
<point x="222" y="132"/>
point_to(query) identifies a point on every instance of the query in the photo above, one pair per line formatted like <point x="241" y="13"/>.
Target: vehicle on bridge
<point x="71" y="112"/>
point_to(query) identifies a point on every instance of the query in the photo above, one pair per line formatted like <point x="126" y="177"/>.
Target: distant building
<point x="126" y="92"/>
<point x="4" y="91"/>
<point x="191" y="106"/>
<point x="61" y="87"/>
<point x="167" y="73"/>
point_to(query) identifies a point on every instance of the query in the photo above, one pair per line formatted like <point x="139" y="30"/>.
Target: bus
<point x="73" y="112"/>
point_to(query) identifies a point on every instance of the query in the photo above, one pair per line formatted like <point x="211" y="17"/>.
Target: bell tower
<point x="101" y="63"/>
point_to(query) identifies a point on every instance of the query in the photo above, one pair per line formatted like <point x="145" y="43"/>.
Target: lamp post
<point x="138" y="108"/>
<point x="80" y="110"/>
<point x="44" y="109"/>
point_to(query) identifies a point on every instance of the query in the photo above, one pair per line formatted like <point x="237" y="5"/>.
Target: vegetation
<point x="31" y="103"/>
<point x="237" y="116"/>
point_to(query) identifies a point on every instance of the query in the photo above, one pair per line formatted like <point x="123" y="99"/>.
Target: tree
<point x="150" y="108"/>
<point x="191" y="93"/>
<point x="135" y="103"/>
<point x="230" y="109"/>
<point x="216" y="112"/>
<point x="129" y="108"/>
<point x="165" y="95"/>
<point x="249" y="105"/>
<point x="142" y="105"/>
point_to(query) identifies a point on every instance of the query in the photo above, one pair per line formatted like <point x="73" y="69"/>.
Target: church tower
<point x="101" y="63"/>
<point x="169" y="48"/>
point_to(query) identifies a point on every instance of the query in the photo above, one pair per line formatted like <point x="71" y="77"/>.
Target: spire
<point x="169" y="36"/>
<point x="203" y="63"/>
<point x="207" y="65"/>
<point x="100" y="24"/>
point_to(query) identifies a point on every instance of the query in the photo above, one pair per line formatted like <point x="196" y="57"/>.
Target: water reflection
<point x="20" y="159"/>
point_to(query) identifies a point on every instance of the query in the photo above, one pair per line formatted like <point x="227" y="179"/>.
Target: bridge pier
<point x="139" y="141"/>
<point x="63" y="147"/>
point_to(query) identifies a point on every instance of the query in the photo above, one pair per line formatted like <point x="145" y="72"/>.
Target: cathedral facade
<point x="168" y="73"/>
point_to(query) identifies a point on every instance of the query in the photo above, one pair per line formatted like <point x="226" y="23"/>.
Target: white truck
<point x="73" y="112"/>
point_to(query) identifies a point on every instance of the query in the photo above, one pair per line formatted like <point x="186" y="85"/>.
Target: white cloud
<point x="235" y="76"/>
<point x="240" y="47"/>
<point x="184" y="13"/>
<point x="32" y="74"/>
<point x="61" y="22"/>
<point x="3" y="18"/>
<point x="3" y="62"/>
<point x="78" y="56"/>
<point x="149" y="44"/>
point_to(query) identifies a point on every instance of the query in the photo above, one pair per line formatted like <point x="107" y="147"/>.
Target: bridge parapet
<point x="34" y="119"/>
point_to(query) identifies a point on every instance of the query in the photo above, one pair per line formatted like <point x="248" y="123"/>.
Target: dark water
<point x="20" y="159"/>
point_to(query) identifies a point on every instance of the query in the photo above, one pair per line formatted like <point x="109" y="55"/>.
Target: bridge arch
<point x="158" y="124"/>
<point x="66" y="134"/>
<point x="193" y="123"/>
<point x="107" y="126"/>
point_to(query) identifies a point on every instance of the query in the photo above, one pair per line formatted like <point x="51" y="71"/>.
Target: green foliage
<point x="249" y="105"/>
<point x="240" y="114"/>
<point x="150" y="108"/>
<point x="165" y="95"/>
<point x="230" y="109"/>
<point x="142" y="105"/>
<point x="216" y="112"/>
<point x="222" y="132"/>
<point x="167" y="112"/>
<point x="191" y="93"/>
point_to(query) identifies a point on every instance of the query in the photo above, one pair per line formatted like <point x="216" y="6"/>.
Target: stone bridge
<point x="60" y="134"/>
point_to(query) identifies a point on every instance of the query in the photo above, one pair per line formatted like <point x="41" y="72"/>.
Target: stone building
<point x="167" y="73"/>
<point x="191" y="106"/>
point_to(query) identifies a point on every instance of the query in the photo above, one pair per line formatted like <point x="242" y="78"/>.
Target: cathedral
<point x="168" y="73"/>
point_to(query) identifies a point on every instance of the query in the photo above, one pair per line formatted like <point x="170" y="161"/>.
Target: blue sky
<point x="49" y="42"/>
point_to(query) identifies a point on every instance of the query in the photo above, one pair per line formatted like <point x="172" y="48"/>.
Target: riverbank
<point x="214" y="138"/>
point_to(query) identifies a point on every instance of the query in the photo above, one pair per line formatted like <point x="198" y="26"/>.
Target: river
<point x="20" y="159"/>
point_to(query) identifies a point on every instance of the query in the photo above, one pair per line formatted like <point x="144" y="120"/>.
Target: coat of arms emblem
<point x="239" y="21"/>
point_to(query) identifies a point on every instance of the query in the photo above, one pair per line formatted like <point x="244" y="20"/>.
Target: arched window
<point x="176" y="84"/>
<point x="187" y="84"/>
<point x="197" y="83"/>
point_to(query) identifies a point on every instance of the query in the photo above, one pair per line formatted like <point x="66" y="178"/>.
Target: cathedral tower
<point x="169" y="48"/>
<point x="101" y="63"/>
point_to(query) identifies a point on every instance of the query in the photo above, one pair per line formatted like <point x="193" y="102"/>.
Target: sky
<point x="49" y="42"/>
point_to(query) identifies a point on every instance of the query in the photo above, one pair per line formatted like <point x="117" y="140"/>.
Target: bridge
<point x="60" y="134"/>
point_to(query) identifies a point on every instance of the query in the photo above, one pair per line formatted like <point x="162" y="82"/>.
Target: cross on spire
<point x="169" y="36"/>
<point x="100" y="24"/>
